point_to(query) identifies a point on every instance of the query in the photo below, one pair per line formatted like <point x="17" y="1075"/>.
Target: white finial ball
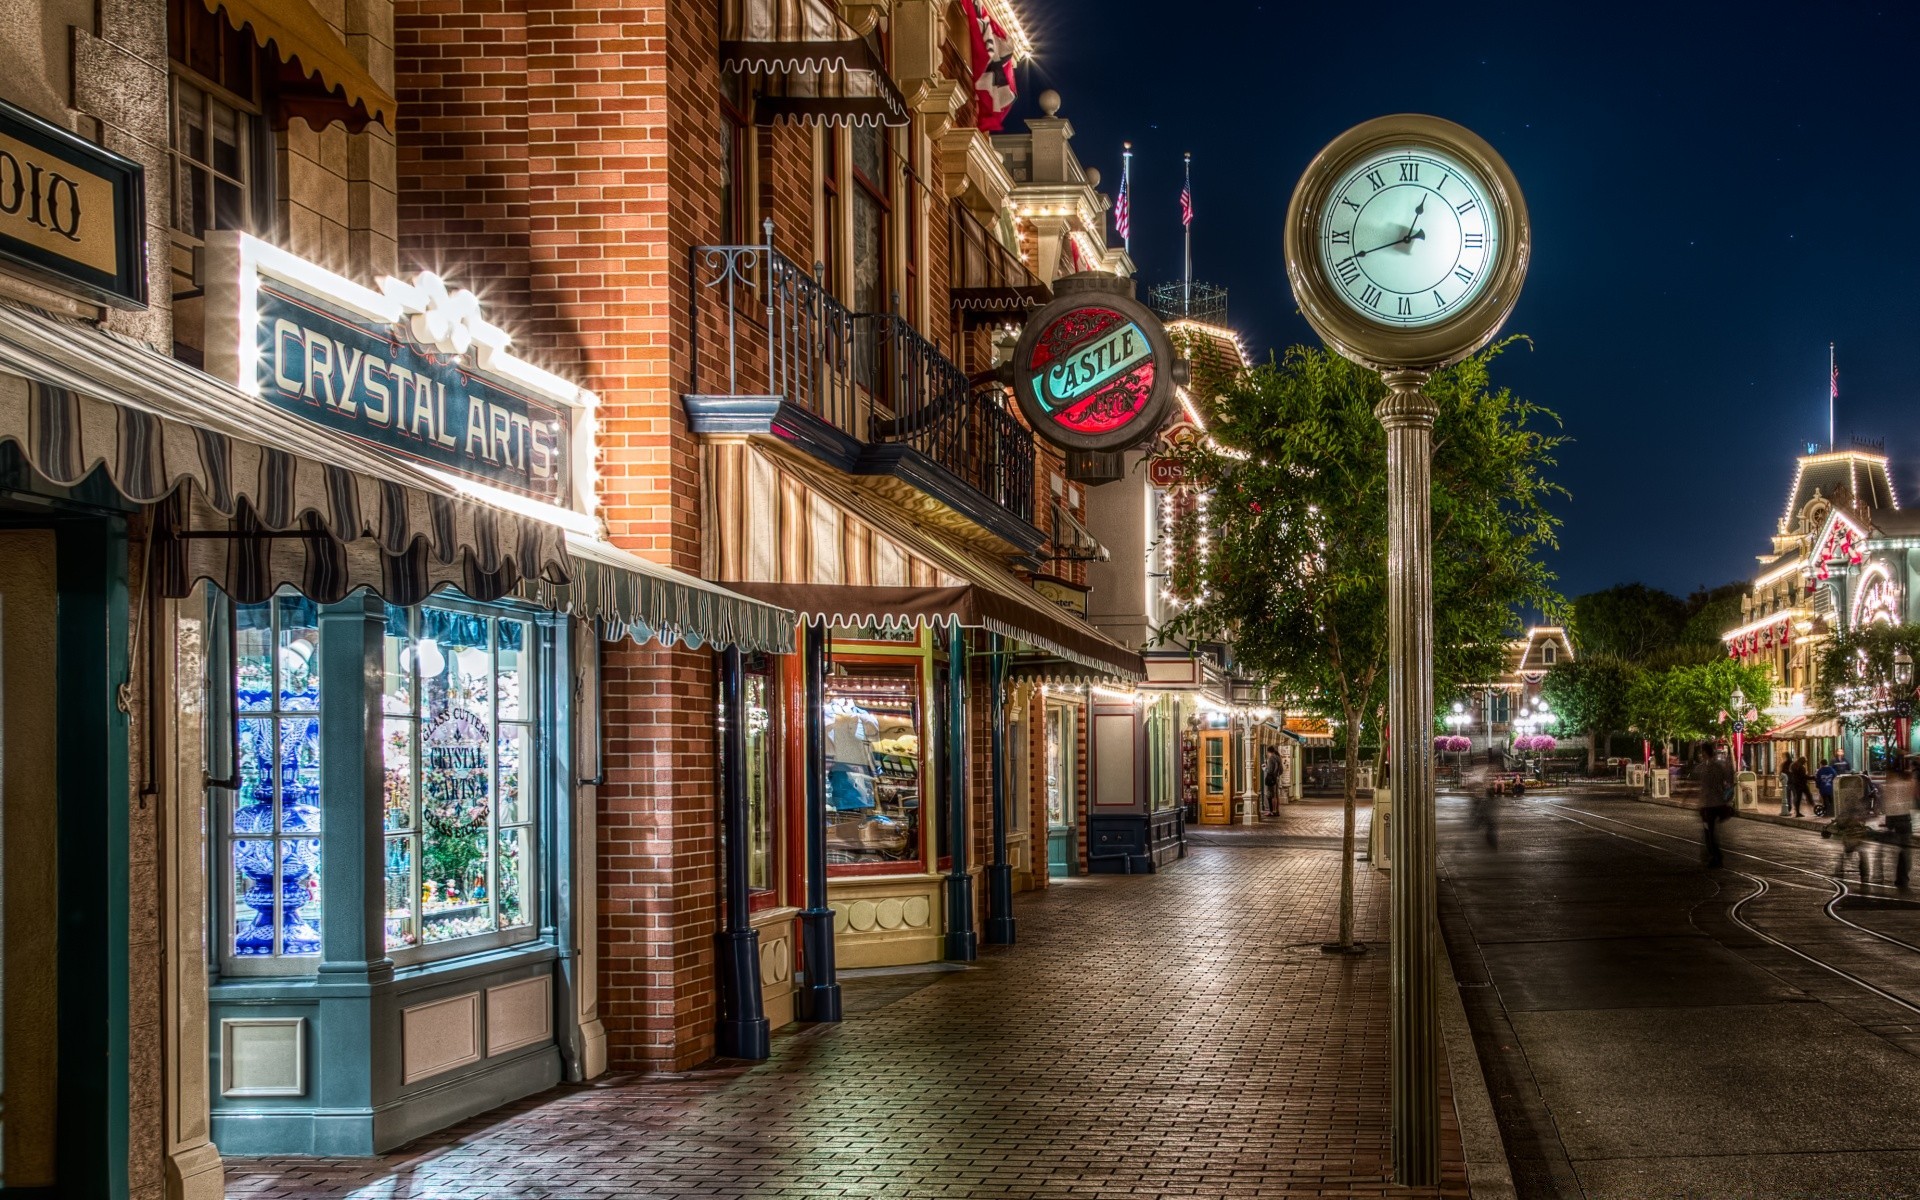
<point x="1093" y="177"/>
<point x="1050" y="102"/>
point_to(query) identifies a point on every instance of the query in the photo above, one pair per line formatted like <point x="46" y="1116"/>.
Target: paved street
<point x="1178" y="1035"/>
<point x="1652" y="1028"/>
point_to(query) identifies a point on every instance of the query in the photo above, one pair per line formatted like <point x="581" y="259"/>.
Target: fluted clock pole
<point x="1414" y="1029"/>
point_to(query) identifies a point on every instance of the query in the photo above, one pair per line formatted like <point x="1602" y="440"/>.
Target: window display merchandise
<point x="459" y="806"/>
<point x="276" y="816"/>
<point x="873" y="767"/>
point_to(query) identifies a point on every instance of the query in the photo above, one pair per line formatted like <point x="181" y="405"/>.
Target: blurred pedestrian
<point x="1850" y="824"/>
<point x="1716" y="797"/>
<point x="1896" y="799"/>
<point x="1802" y="792"/>
<point x="1786" y="785"/>
<point x="1823" y="779"/>
<point x="1270" y="783"/>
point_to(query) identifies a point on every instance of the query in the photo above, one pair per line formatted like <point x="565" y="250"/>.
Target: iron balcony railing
<point x="759" y="318"/>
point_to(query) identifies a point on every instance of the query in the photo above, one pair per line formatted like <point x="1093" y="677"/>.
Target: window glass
<point x="274" y="830"/>
<point x="869" y="253"/>
<point x="874" y="766"/>
<point x="1059" y="764"/>
<point x="214" y="121"/>
<point x="759" y="771"/>
<point x="459" y="795"/>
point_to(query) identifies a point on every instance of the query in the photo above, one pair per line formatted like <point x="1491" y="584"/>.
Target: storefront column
<point x="820" y="997"/>
<point x="1000" y="930"/>
<point x="962" y="944"/>
<point x="743" y="1031"/>
<point x="352" y="851"/>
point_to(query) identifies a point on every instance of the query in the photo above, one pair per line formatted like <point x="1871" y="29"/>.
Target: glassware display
<point x="276" y="817"/>
<point x="1059" y="764"/>
<point x="873" y="766"/>
<point x="459" y="800"/>
<point x="760" y="792"/>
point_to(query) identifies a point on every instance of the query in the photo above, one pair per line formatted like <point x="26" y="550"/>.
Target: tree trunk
<point x="1593" y="752"/>
<point x="1346" y="831"/>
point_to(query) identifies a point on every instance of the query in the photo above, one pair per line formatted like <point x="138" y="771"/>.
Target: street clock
<point x="1406" y="242"/>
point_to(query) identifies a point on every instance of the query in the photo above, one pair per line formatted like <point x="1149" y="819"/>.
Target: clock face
<point x="1407" y="237"/>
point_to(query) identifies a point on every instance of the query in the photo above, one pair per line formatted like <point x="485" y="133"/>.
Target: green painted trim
<point x="92" y="659"/>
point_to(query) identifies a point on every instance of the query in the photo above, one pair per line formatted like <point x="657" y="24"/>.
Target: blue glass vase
<point x="253" y="828"/>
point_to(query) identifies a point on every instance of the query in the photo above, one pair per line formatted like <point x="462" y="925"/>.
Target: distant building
<point x="1503" y="709"/>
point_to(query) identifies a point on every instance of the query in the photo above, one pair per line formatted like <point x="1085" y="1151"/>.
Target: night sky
<point x="1717" y="191"/>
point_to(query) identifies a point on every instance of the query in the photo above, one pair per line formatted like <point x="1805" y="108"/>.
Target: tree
<point x="1628" y="622"/>
<point x="1861" y="678"/>
<point x="1589" y="694"/>
<point x="1684" y="703"/>
<point x="1710" y="613"/>
<point x="1287" y="559"/>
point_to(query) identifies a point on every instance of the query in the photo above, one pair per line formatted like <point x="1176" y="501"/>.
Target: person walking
<point x="1850" y="824"/>
<point x="1716" y="797"/>
<point x="1786" y="785"/>
<point x="1896" y="800"/>
<point x="1270" y="783"/>
<point x="1802" y="791"/>
<point x="1823" y="779"/>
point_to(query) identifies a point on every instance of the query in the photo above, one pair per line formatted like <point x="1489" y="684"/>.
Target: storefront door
<point x="1216" y="778"/>
<point x="1062" y="817"/>
<point x="63" y="865"/>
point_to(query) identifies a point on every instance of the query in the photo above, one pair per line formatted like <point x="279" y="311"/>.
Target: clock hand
<point x="1412" y="235"/>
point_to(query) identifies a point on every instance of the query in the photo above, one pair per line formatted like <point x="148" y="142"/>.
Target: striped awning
<point x="256" y="499"/>
<point x="803" y="64"/>
<point x="634" y="598"/>
<point x="325" y="82"/>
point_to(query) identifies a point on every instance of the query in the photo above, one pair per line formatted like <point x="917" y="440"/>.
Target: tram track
<point x="1838" y="891"/>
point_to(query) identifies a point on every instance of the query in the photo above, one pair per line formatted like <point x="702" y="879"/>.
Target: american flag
<point x="1123" y="211"/>
<point x="1186" y="203"/>
<point x="1834" y="381"/>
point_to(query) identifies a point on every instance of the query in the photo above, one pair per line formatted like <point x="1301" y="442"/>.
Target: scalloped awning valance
<point x="803" y="64"/>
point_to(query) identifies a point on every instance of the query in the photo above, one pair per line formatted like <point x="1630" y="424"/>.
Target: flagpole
<point x="1833" y="393"/>
<point x="1187" y="289"/>
<point x="1126" y="189"/>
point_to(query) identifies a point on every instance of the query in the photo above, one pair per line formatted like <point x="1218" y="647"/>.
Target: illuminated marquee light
<point x="1093" y="371"/>
<point x="1878" y="600"/>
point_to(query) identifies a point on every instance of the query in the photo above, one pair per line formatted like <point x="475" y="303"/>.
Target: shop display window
<point x="874" y="767"/>
<point x="1059" y="765"/>
<point x="460" y="798"/>
<point x="762" y="801"/>
<point x="274" y="824"/>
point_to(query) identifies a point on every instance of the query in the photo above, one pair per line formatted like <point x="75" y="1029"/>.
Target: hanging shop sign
<point x="411" y="368"/>
<point x="1068" y="595"/>
<point x="1094" y="370"/>
<point x="1165" y="468"/>
<point x="72" y="210"/>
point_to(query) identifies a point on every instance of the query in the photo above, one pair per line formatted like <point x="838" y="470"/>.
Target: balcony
<point x="774" y="352"/>
<point x="990" y="282"/>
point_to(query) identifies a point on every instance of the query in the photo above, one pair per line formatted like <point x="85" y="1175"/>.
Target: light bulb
<point x="432" y="662"/>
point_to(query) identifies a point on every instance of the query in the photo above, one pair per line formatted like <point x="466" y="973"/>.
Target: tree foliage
<point x="1628" y="622"/>
<point x="1287" y="560"/>
<point x="1589" y="695"/>
<point x="1684" y="703"/>
<point x="1861" y="677"/>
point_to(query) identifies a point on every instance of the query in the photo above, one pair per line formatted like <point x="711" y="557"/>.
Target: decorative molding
<point x="439" y="1036"/>
<point x="519" y="1014"/>
<point x="863" y="16"/>
<point x="974" y="171"/>
<point x="263" y="1056"/>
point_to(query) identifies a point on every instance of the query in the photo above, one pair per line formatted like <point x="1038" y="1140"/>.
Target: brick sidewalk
<point x="1174" y="1035"/>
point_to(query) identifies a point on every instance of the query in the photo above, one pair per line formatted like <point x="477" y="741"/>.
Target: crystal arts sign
<point x="1093" y="369"/>
<point x="412" y="369"/>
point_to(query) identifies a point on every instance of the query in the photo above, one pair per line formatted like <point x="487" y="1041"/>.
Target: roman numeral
<point x="1444" y="181"/>
<point x="1371" y="296"/>
<point x="1347" y="269"/>
<point x="1463" y="275"/>
<point x="1466" y="208"/>
<point x="1475" y="241"/>
<point x="1438" y="300"/>
<point x="1409" y="172"/>
<point x="1342" y="237"/>
<point x="1376" y="179"/>
<point x="1350" y="204"/>
<point x="1406" y="306"/>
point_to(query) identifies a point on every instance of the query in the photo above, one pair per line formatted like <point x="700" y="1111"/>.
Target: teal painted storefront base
<point x="357" y="1100"/>
<point x="1062" y="858"/>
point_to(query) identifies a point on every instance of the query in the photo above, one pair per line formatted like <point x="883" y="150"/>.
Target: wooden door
<point x="1216" y="778"/>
